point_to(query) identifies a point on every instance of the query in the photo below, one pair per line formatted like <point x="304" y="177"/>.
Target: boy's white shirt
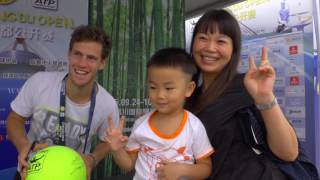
<point x="188" y="143"/>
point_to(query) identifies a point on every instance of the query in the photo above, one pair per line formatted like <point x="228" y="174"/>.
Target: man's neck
<point x="76" y="94"/>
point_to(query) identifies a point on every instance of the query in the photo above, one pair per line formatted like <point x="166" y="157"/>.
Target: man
<point x="66" y="108"/>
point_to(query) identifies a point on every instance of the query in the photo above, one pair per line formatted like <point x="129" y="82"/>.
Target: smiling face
<point x="85" y="59"/>
<point x="216" y="45"/>
<point x="168" y="89"/>
<point x="212" y="51"/>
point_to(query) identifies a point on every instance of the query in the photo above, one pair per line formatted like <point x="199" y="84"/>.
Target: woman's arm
<point x="281" y="136"/>
<point x="259" y="82"/>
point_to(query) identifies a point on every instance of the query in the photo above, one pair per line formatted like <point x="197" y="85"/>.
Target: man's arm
<point x="91" y="160"/>
<point x="100" y="151"/>
<point x="17" y="135"/>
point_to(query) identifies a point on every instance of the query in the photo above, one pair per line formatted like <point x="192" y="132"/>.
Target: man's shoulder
<point x="45" y="78"/>
<point x="104" y="96"/>
<point x="48" y="75"/>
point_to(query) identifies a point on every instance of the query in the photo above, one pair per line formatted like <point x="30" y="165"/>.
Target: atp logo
<point x="36" y="162"/>
<point x="45" y="4"/>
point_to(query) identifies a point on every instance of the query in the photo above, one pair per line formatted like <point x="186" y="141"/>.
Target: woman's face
<point x="212" y="51"/>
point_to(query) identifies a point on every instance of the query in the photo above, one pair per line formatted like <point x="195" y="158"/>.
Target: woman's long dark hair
<point x="212" y="21"/>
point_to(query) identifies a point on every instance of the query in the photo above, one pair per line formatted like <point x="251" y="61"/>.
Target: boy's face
<point x="84" y="62"/>
<point x="168" y="88"/>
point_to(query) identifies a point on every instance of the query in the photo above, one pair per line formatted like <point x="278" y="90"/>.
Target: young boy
<point x="168" y="142"/>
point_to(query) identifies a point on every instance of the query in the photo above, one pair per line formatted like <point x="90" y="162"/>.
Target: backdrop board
<point x="286" y="56"/>
<point x="296" y="78"/>
<point x="34" y="36"/>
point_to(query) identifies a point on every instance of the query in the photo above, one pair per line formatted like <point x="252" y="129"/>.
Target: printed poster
<point x="34" y="36"/>
<point x="286" y="55"/>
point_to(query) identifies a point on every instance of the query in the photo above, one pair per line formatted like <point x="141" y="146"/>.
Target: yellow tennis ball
<point x="56" y="163"/>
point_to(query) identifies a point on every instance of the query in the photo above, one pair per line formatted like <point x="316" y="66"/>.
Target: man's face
<point x="84" y="62"/>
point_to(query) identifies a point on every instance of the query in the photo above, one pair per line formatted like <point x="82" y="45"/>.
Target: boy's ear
<point x="190" y="88"/>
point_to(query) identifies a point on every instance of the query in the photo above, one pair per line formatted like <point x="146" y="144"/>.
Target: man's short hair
<point x="91" y="34"/>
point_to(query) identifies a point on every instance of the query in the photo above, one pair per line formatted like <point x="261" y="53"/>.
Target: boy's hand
<point x="169" y="170"/>
<point x="114" y="137"/>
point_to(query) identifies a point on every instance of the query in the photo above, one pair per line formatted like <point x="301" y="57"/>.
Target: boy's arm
<point x="116" y="142"/>
<point x="125" y="160"/>
<point x="102" y="149"/>
<point x="200" y="170"/>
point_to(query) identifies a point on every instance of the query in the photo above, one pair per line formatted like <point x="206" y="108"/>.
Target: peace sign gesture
<point x="259" y="80"/>
<point x="114" y="137"/>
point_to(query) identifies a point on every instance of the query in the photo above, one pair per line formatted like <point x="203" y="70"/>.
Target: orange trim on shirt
<point x="133" y="150"/>
<point x="206" y="155"/>
<point x="168" y="136"/>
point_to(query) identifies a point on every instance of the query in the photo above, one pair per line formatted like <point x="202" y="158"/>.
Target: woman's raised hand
<point x="259" y="81"/>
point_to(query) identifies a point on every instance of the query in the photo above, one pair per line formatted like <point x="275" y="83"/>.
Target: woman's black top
<point x="233" y="158"/>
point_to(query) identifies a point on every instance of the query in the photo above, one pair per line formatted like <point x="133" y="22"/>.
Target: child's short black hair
<point x="175" y="58"/>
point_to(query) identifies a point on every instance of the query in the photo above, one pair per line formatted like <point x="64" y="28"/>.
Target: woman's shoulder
<point x="238" y="80"/>
<point x="240" y="75"/>
<point x="237" y="86"/>
<point x="235" y="97"/>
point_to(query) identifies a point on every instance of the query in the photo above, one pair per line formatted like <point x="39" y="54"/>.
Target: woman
<point x="215" y="46"/>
